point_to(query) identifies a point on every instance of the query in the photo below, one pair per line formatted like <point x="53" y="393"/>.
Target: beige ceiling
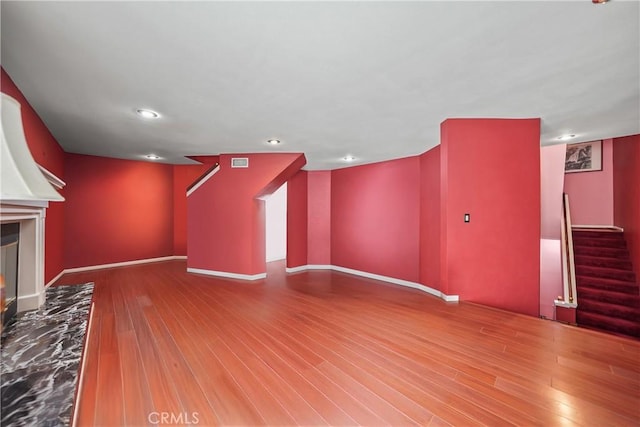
<point x="369" y="79"/>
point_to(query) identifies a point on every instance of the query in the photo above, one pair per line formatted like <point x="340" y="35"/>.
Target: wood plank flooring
<point x="326" y="348"/>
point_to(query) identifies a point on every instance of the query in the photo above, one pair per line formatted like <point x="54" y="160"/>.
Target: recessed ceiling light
<point x="273" y="141"/>
<point x="152" y="157"/>
<point x="348" y="158"/>
<point x="147" y="114"/>
<point x="566" y="137"/>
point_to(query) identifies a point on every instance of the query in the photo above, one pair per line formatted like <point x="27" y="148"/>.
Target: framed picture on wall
<point x="583" y="157"/>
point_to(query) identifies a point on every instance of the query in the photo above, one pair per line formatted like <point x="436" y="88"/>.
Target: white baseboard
<point x="401" y="282"/>
<point x="83" y="363"/>
<point x="227" y="274"/>
<point x="30" y="302"/>
<point x="309" y="267"/>
<point x="54" y="280"/>
<point x="122" y="264"/>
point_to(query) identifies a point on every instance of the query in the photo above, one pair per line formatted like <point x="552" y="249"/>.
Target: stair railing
<point x="568" y="262"/>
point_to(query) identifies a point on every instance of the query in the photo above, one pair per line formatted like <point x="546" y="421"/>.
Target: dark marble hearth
<point x="41" y="353"/>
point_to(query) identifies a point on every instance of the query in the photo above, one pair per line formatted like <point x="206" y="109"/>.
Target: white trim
<point x="234" y="165"/>
<point x="227" y="274"/>
<point x="120" y="264"/>
<point x="16" y="203"/>
<point x="30" y="302"/>
<point x="52" y="178"/>
<point x="308" y="267"/>
<point x="598" y="227"/>
<point x="83" y="364"/>
<point x="179" y="257"/>
<point x="559" y="303"/>
<point x="31" y="216"/>
<point x="55" y="279"/>
<point x="203" y="180"/>
<point x="296" y="269"/>
<point x="450" y="298"/>
<point x="401" y="282"/>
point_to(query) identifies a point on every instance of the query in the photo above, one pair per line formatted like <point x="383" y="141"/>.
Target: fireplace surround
<point x="9" y="246"/>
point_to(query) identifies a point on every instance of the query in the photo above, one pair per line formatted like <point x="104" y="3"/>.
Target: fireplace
<point x="9" y="245"/>
<point x="25" y="192"/>
<point x="23" y="226"/>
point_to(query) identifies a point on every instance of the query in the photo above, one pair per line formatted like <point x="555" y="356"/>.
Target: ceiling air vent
<point x="239" y="162"/>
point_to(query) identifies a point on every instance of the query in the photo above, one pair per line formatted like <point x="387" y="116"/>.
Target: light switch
<point x="467" y="217"/>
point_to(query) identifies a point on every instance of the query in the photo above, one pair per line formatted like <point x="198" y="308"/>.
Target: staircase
<point x="608" y="293"/>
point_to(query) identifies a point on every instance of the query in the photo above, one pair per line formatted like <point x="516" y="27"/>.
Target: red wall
<point x="47" y="152"/>
<point x="375" y="218"/>
<point x="225" y="220"/>
<point x="491" y="169"/>
<point x="430" y="218"/>
<point x="626" y="186"/>
<point x="319" y="211"/>
<point x="297" y="220"/>
<point x="183" y="177"/>
<point x="591" y="193"/>
<point x="116" y="210"/>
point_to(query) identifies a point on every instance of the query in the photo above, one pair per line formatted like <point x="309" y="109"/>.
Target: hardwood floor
<point x="322" y="347"/>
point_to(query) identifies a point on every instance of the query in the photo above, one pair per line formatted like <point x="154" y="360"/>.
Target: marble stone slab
<point x="40" y="357"/>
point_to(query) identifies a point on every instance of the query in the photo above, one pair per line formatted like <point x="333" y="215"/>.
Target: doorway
<point x="276" y="225"/>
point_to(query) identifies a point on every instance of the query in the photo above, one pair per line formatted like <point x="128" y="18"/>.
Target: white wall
<point x="551" y="185"/>
<point x="276" y="224"/>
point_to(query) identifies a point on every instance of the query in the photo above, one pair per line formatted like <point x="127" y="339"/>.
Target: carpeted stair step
<point x="613" y="297"/>
<point x="606" y="273"/>
<point x="621" y="253"/>
<point x="599" y="242"/>
<point x="598" y="321"/>
<point x="607" y="234"/>
<point x="608" y="295"/>
<point x="609" y="309"/>
<point x="607" y="284"/>
<point x="601" y="261"/>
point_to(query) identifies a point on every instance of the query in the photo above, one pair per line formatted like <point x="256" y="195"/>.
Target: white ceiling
<point x="370" y="79"/>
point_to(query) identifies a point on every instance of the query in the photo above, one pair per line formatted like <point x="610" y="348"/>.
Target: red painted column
<point x="297" y="220"/>
<point x="490" y="169"/>
<point x="626" y="197"/>
<point x="319" y="217"/>
<point x="430" y="218"/>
